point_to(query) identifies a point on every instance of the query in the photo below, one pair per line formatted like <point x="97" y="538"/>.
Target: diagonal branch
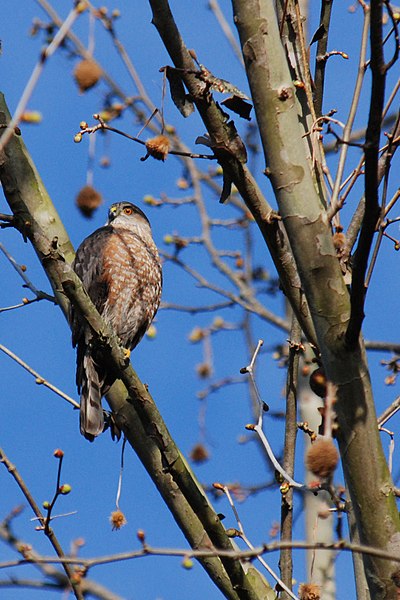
<point x="134" y="409"/>
<point x="320" y="63"/>
<point x="231" y="154"/>
<point x="142" y="424"/>
<point x="372" y="208"/>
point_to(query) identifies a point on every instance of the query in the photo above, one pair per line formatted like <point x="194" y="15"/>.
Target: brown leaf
<point x="226" y="188"/>
<point x="219" y="85"/>
<point x="318" y="34"/>
<point x="178" y="94"/>
<point x="239" y="106"/>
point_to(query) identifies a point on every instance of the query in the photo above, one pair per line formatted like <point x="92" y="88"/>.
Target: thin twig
<point x="27" y="283"/>
<point x="258" y="427"/>
<point x="217" y="385"/>
<point x="320" y="65"/>
<point x="304" y="61"/>
<point x="248" y="303"/>
<point x="39" y="379"/>
<point x="103" y="126"/>
<point x="226" y="29"/>
<point x="251" y="547"/>
<point x="197" y="309"/>
<point x="286" y="558"/>
<point x="89" y="563"/>
<point x="47" y="530"/>
<point x="389" y="412"/>
<point x="381" y="225"/>
<point x="110" y="28"/>
<point x="352" y="114"/>
<point x="121" y="472"/>
<point x="35" y="76"/>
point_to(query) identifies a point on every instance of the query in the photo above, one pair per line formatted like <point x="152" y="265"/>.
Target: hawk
<point x="120" y="269"/>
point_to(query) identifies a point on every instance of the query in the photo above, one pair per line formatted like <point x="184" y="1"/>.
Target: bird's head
<point x="127" y="215"/>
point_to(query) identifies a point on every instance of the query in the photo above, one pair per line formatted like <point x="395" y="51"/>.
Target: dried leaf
<point x="178" y="94"/>
<point x="226" y="188"/>
<point x="231" y="143"/>
<point x="204" y="140"/>
<point x="239" y="106"/>
<point x="319" y="34"/>
<point x="219" y="85"/>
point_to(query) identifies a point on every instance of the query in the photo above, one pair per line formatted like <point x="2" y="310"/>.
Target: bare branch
<point x="39" y="379"/>
<point x="286" y="558"/>
<point x="36" y="74"/>
<point x="372" y="208"/>
<point x="47" y="530"/>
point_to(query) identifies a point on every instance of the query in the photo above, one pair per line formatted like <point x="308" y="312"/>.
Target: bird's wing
<point x="88" y="265"/>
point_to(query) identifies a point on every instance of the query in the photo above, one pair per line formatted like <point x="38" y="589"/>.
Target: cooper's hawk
<point x="120" y="268"/>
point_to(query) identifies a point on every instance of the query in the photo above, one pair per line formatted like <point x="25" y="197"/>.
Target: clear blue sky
<point x="34" y="421"/>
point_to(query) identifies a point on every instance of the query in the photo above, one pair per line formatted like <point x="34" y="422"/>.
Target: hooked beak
<point x="112" y="213"/>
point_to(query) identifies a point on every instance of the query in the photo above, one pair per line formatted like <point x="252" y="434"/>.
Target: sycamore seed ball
<point x="87" y="73"/>
<point x="87" y="200"/>
<point x="309" y="591"/>
<point x="322" y="457"/>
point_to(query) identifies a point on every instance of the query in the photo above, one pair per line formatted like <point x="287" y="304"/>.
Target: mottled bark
<point x="308" y="230"/>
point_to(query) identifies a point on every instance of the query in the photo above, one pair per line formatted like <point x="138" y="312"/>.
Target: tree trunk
<point x="302" y="210"/>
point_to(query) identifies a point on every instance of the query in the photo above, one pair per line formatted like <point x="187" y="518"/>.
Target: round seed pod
<point x="87" y="200"/>
<point x="199" y="453"/>
<point x="309" y="591"/>
<point x="322" y="458"/>
<point x="318" y="382"/>
<point x="158" y="147"/>
<point x="87" y="73"/>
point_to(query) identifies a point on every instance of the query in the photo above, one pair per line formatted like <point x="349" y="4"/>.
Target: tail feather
<point x="91" y="415"/>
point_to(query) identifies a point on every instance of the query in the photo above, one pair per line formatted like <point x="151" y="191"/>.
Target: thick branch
<point x="134" y="409"/>
<point x="142" y="424"/>
<point x="320" y="63"/>
<point x="372" y="209"/>
<point x="310" y="238"/>
<point x="231" y="154"/>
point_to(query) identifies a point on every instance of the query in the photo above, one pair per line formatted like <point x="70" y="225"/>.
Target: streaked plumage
<point x="120" y="268"/>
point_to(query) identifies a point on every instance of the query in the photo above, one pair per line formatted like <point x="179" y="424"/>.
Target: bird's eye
<point x="128" y="210"/>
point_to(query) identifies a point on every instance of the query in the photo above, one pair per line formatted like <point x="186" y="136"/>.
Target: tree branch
<point x="76" y="588"/>
<point x="308" y="231"/>
<point x="320" y="64"/>
<point x="231" y="154"/>
<point x="372" y="208"/>
<point x="133" y="407"/>
<point x="286" y="555"/>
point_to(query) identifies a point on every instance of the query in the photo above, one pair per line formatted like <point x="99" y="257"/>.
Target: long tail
<point x="91" y="415"/>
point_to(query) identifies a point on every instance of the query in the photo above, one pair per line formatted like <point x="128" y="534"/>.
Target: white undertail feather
<point x="91" y="414"/>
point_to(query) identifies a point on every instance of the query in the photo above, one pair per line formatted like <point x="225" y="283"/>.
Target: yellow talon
<point x="127" y="353"/>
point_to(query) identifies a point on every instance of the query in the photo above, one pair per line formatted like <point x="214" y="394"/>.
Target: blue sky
<point x="35" y="421"/>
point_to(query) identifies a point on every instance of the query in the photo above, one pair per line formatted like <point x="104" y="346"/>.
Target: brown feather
<point x="120" y="268"/>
